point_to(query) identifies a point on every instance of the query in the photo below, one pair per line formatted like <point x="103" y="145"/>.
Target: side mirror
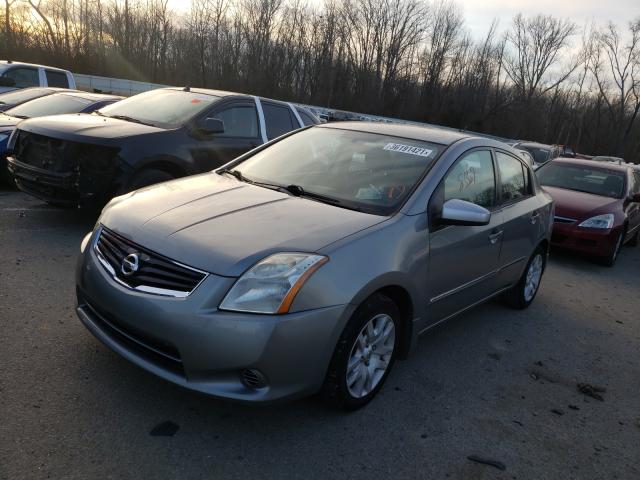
<point x="461" y="212"/>
<point x="211" y="125"/>
<point x="7" y="82"/>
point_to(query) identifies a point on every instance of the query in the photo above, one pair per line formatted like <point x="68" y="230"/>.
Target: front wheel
<point x="522" y="293"/>
<point x="364" y="355"/>
<point x="610" y="260"/>
<point x="147" y="177"/>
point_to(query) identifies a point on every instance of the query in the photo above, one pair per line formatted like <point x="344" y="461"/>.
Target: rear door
<point x="522" y="215"/>
<point x="463" y="260"/>
<point x="278" y="118"/>
<point x="241" y="134"/>
<point x="633" y="209"/>
<point x="56" y="79"/>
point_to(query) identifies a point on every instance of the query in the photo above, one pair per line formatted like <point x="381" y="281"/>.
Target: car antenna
<point x="186" y="89"/>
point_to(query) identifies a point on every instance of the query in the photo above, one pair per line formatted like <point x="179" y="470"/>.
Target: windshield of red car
<point x="583" y="178"/>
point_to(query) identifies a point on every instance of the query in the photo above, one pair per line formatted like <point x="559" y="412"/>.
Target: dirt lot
<point x="496" y="383"/>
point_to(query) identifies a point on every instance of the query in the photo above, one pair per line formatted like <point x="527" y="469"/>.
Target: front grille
<point x="141" y="269"/>
<point x="62" y="156"/>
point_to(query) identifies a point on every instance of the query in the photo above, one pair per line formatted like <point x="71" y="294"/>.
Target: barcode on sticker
<point x="399" y="147"/>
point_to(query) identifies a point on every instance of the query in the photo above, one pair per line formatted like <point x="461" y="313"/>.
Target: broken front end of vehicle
<point x="63" y="172"/>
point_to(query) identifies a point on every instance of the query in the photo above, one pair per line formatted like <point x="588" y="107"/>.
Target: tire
<point x="610" y="260"/>
<point x="635" y="239"/>
<point x="147" y="177"/>
<point x="522" y="294"/>
<point x="382" y="314"/>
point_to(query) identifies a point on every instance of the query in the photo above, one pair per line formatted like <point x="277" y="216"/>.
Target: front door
<point x="241" y="134"/>
<point x="463" y="260"/>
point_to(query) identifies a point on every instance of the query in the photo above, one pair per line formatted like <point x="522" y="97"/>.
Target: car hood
<point x="580" y="205"/>
<point x="7" y="122"/>
<point x="224" y="226"/>
<point x="82" y="127"/>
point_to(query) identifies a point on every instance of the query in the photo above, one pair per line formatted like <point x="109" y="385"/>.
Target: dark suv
<point x="71" y="160"/>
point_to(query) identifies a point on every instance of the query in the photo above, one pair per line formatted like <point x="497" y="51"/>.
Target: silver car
<point x="314" y="262"/>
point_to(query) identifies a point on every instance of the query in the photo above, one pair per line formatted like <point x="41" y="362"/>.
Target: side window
<point x="636" y="177"/>
<point x="306" y="118"/>
<point x="472" y="179"/>
<point x="239" y="121"/>
<point x="513" y="176"/>
<point x="56" y="79"/>
<point x="24" y="77"/>
<point x="277" y="119"/>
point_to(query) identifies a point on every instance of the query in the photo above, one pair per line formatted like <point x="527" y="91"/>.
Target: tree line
<point x="543" y="78"/>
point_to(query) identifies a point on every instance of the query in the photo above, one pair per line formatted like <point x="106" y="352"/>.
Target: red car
<point x="597" y="206"/>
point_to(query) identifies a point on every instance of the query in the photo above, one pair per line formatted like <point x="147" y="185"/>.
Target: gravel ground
<point x="495" y="383"/>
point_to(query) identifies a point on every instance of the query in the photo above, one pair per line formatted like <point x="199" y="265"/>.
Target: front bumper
<point x="592" y="241"/>
<point x="189" y="342"/>
<point x="48" y="186"/>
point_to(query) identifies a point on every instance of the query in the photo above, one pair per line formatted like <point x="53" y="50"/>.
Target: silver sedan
<point x="312" y="263"/>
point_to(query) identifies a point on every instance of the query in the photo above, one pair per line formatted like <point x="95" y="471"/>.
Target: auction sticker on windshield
<point x="411" y="150"/>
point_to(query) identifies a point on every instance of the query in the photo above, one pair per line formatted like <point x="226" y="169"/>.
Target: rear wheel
<point x="364" y="355"/>
<point x="146" y="177"/>
<point x="522" y="293"/>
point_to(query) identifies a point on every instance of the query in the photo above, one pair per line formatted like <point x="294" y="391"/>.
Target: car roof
<point x="221" y="93"/>
<point x="592" y="163"/>
<point x="440" y="135"/>
<point x="531" y="144"/>
<point x="89" y="95"/>
<point x="11" y="63"/>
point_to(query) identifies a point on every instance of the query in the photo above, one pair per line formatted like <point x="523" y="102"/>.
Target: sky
<point x="478" y="14"/>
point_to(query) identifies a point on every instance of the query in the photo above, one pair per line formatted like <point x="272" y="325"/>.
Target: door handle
<point x="534" y="217"/>
<point x="494" y="237"/>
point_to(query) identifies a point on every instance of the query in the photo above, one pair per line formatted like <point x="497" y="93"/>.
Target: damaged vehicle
<point x="311" y="264"/>
<point x="74" y="160"/>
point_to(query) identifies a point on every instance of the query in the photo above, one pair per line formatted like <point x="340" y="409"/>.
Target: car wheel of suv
<point x="364" y="355"/>
<point x="522" y="293"/>
<point x="610" y="260"/>
<point x="146" y="177"/>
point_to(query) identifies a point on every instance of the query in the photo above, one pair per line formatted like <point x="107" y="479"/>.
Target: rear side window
<point x="514" y="177"/>
<point x="277" y="119"/>
<point x="239" y="121"/>
<point x="472" y="179"/>
<point x="56" y="79"/>
<point x="24" y="77"/>
<point x="636" y="176"/>
<point x="305" y="117"/>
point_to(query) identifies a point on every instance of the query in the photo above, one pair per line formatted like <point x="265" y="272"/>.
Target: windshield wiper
<point x="233" y="173"/>
<point x="130" y="119"/>
<point x="18" y="116"/>
<point x="298" y="191"/>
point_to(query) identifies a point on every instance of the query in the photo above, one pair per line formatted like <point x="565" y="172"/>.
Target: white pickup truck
<point x="14" y="75"/>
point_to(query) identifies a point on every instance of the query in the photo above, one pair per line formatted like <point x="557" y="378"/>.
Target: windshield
<point x="540" y="155"/>
<point x="358" y="170"/>
<point x="55" y="104"/>
<point x="161" y="108"/>
<point x="19" y="96"/>
<point x="582" y="178"/>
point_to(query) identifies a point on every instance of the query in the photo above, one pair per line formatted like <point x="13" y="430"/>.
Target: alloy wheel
<point x="370" y="355"/>
<point x="534" y="274"/>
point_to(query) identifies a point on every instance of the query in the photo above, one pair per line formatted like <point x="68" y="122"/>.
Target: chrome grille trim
<point x="564" y="219"/>
<point x="154" y="290"/>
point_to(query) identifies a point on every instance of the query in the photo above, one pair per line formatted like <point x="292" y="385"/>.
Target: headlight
<point x="85" y="241"/>
<point x="271" y="285"/>
<point x="599" y="221"/>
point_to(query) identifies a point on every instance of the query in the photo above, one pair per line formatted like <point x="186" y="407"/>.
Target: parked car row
<point x="252" y="278"/>
<point x="70" y="160"/>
